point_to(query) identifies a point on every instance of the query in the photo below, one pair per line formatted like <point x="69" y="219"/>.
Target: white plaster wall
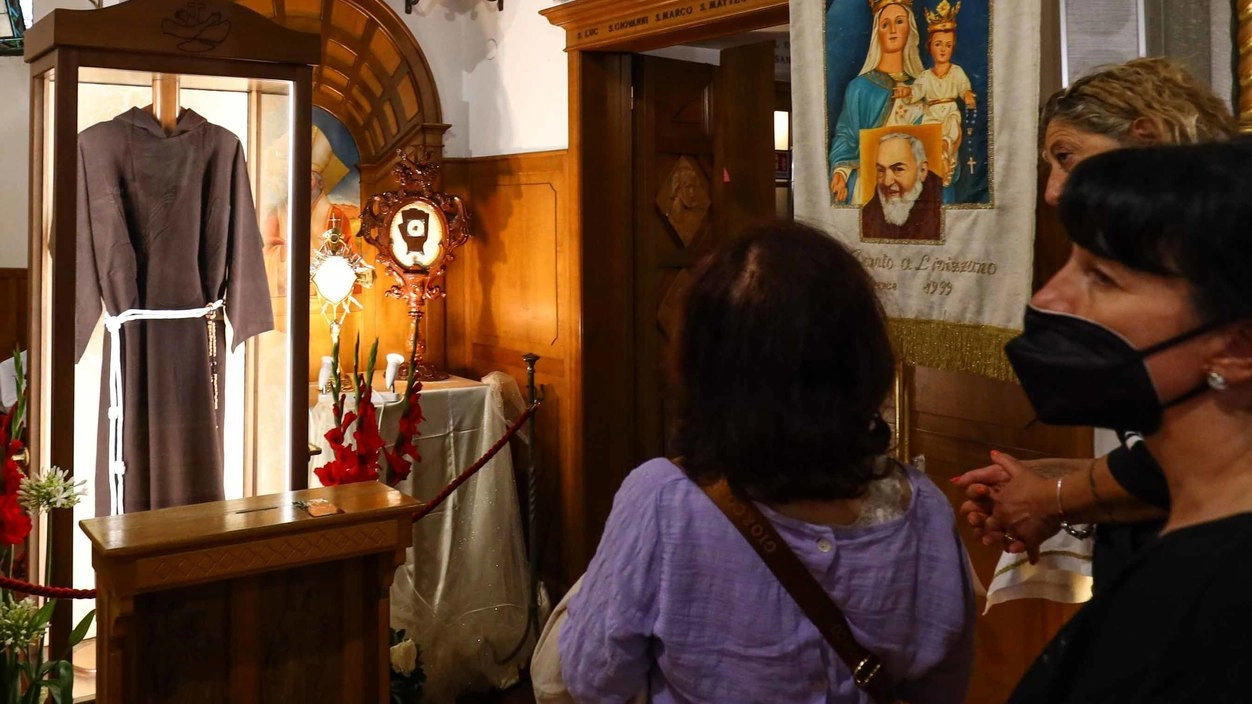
<point x="516" y="82"/>
<point x="502" y="76"/>
<point x="15" y="136"/>
<point x="439" y="27"/>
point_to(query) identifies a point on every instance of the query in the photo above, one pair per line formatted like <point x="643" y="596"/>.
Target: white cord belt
<point x="113" y="324"/>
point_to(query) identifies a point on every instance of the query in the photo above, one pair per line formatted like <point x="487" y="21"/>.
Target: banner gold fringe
<point x="956" y="347"/>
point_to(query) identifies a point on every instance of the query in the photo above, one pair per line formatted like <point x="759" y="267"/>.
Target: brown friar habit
<point x="166" y="222"/>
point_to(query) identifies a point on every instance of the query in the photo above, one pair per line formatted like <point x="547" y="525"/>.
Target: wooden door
<point x="702" y="171"/>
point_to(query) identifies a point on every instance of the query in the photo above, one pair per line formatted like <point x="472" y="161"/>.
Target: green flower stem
<point x="389" y="478"/>
<point x="335" y="386"/>
<point x="19" y="413"/>
<point x="369" y="366"/>
<point x="47" y="564"/>
<point x="7" y="558"/>
<point x="356" y="374"/>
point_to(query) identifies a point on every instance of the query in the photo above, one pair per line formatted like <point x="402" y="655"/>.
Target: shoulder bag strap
<point x="801" y="585"/>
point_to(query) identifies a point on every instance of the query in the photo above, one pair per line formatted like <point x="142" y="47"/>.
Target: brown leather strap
<point x="800" y="584"/>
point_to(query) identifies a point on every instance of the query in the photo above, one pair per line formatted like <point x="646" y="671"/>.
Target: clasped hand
<point x="1003" y="503"/>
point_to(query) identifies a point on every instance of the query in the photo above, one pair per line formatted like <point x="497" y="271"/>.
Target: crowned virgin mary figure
<point x="871" y="99"/>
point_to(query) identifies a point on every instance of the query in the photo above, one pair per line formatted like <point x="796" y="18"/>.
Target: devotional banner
<point x="915" y="143"/>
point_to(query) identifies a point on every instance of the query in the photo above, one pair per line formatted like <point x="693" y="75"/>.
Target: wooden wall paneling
<point x="14" y="310"/>
<point x="456" y="180"/>
<point x="957" y="419"/>
<point x="514" y="272"/>
<point x="512" y="292"/>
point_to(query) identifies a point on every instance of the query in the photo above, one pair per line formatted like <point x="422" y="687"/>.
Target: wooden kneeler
<point x="251" y="600"/>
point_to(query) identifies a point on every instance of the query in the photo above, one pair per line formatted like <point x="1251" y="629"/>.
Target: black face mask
<point x="1078" y="372"/>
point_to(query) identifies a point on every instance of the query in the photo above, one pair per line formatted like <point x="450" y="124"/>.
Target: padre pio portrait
<point x="904" y="193"/>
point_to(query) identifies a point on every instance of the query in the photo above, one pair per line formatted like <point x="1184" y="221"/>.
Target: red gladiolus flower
<point x="359" y="460"/>
<point x="401" y="457"/>
<point x="11" y="476"/>
<point x="353" y="464"/>
<point x="336" y="471"/>
<point x="14" y="523"/>
<point x="368" y="440"/>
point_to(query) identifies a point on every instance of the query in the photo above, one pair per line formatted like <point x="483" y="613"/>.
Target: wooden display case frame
<point x="204" y="38"/>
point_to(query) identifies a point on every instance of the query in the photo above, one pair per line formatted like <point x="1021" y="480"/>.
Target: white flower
<point x="404" y="657"/>
<point x="20" y="624"/>
<point x="55" y="489"/>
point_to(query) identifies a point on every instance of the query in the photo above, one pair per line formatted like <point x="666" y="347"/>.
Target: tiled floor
<point x="85" y="670"/>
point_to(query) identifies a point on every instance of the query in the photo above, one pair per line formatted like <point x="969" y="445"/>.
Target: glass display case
<point x="169" y="358"/>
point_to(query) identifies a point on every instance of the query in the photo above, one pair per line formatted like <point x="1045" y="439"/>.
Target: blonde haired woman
<point x="1141" y="103"/>
<point x="1136" y="104"/>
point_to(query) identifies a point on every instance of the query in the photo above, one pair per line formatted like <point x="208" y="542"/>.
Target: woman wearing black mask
<point x="1141" y="103"/>
<point x="1149" y="325"/>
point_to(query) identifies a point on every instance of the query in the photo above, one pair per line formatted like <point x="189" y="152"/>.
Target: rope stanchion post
<point x="532" y="503"/>
<point x="533" y="541"/>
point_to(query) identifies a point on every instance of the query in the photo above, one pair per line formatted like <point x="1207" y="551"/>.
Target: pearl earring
<point x="1216" y="381"/>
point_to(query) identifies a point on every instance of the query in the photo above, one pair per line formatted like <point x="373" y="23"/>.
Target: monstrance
<point x="416" y="229"/>
<point x="335" y="270"/>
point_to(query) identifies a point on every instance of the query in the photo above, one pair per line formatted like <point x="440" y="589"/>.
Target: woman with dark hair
<point x="1141" y="103"/>
<point x="1149" y="326"/>
<point x="782" y="365"/>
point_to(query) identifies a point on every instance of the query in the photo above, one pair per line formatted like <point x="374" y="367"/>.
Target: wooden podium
<point x="251" y="600"/>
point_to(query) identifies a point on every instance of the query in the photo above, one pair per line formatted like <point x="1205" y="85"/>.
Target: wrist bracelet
<point x="1080" y="533"/>
<point x="1060" y="507"/>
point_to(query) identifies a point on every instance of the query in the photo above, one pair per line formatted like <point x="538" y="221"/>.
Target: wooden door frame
<point x="643" y="25"/>
<point x="600" y="37"/>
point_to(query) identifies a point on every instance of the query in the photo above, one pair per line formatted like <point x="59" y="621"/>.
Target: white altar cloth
<point x="463" y="590"/>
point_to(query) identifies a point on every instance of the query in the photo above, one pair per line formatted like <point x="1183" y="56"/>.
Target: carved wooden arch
<point x="374" y="77"/>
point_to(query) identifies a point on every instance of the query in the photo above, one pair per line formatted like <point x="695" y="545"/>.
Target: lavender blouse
<point x="675" y="601"/>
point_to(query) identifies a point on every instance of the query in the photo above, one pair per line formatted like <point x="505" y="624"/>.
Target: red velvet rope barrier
<point x="473" y="469"/>
<point x="64" y="593"/>
<point x="18" y="585"/>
